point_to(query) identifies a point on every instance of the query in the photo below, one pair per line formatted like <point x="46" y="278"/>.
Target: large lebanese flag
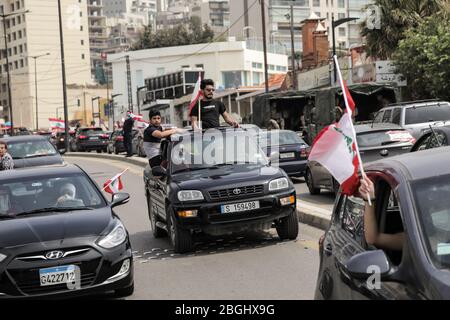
<point x="56" y="123"/>
<point x="196" y="94"/>
<point x="335" y="149"/>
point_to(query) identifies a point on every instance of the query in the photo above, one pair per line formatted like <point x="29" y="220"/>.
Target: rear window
<point x="430" y="113"/>
<point x="380" y="138"/>
<point x="92" y="131"/>
<point x="277" y="138"/>
<point x="31" y="149"/>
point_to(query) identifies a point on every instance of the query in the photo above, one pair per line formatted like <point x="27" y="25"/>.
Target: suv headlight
<point x="278" y="184"/>
<point x="190" y="195"/>
<point x="2" y="257"/>
<point x="116" y="237"/>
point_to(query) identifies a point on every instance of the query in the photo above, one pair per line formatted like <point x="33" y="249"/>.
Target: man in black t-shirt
<point x="127" y="134"/>
<point x="152" y="137"/>
<point x="210" y="109"/>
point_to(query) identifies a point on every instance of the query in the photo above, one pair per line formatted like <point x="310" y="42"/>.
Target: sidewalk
<point x="307" y="212"/>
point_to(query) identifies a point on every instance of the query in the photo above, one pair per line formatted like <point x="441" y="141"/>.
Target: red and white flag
<point x="114" y="185"/>
<point x="196" y="94"/>
<point x="140" y="122"/>
<point x="336" y="147"/>
<point x="56" y="124"/>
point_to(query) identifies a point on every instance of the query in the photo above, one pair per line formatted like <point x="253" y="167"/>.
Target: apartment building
<point x="214" y="13"/>
<point x="123" y="8"/>
<point x="33" y="34"/>
<point x="245" y="18"/>
<point x="98" y="37"/>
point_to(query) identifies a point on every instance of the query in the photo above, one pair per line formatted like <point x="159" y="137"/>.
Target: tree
<point x="396" y="16"/>
<point x="180" y="35"/>
<point x="423" y="57"/>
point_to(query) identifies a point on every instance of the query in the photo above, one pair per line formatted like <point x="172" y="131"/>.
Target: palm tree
<point x="396" y="17"/>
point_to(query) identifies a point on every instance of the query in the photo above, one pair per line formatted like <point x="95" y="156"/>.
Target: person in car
<point x="372" y="235"/>
<point x="211" y="109"/>
<point x="67" y="197"/>
<point x="6" y="161"/>
<point x="152" y="138"/>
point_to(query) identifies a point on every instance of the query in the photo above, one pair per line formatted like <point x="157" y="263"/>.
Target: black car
<point x="412" y="198"/>
<point x="88" y="139"/>
<point x="59" y="140"/>
<point x="292" y="152"/>
<point x="32" y="150"/>
<point x="434" y="137"/>
<point x="60" y="236"/>
<point x="115" y="142"/>
<point x="237" y="190"/>
<point x="375" y="141"/>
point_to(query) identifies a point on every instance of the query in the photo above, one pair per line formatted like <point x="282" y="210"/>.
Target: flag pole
<point x="349" y="111"/>
<point x="104" y="188"/>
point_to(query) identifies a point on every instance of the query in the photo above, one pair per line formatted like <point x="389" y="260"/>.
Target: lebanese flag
<point x="140" y="122"/>
<point x="56" y="124"/>
<point x="351" y="103"/>
<point x="196" y="94"/>
<point x="114" y="185"/>
<point x="335" y="149"/>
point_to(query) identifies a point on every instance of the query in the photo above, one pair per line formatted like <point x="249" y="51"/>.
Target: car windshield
<point x="279" y="138"/>
<point x="30" y="149"/>
<point x="215" y="150"/>
<point x="47" y="194"/>
<point x="432" y="198"/>
<point x="92" y="131"/>
<point x="430" y="113"/>
<point x="382" y="138"/>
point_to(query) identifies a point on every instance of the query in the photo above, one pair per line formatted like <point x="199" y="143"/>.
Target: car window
<point x="91" y="131"/>
<point x="72" y="190"/>
<point x="396" y="117"/>
<point x="279" y="138"/>
<point x="379" y="138"/>
<point x="31" y="149"/>
<point x="352" y="219"/>
<point x="428" y="113"/>
<point x="387" y="116"/>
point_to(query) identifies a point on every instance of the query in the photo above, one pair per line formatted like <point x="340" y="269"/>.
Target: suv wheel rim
<point x="172" y="230"/>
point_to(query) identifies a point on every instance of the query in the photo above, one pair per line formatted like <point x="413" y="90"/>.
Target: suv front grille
<point x="233" y="193"/>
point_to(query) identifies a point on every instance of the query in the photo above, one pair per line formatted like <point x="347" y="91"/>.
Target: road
<point x="324" y="201"/>
<point x="242" y="266"/>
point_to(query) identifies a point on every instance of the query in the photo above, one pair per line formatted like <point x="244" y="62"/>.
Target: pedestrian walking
<point x="211" y="109"/>
<point x="6" y="161"/>
<point x="152" y="138"/>
<point x="127" y="134"/>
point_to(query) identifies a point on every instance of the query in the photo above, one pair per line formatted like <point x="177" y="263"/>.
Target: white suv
<point x="415" y="116"/>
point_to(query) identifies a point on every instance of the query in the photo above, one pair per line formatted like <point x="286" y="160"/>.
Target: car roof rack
<point x="414" y="102"/>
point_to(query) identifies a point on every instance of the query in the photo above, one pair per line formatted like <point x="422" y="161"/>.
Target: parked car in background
<point x="288" y="150"/>
<point x="46" y="134"/>
<point x="31" y="150"/>
<point x="412" y="197"/>
<point x="188" y="200"/>
<point x="415" y="116"/>
<point x="59" y="140"/>
<point x="435" y="137"/>
<point x="375" y="141"/>
<point x="137" y="142"/>
<point x="87" y="139"/>
<point x="115" y="142"/>
<point x="59" y="236"/>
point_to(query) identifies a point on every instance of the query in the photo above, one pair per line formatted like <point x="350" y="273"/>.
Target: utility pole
<point x="35" y="86"/>
<point x="263" y="18"/>
<point x="130" y="93"/>
<point x="84" y="101"/>
<point x="294" y="76"/>
<point x="63" y="70"/>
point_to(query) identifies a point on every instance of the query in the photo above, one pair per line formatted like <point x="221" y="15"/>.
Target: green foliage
<point x="423" y="57"/>
<point x="397" y="16"/>
<point x="181" y="35"/>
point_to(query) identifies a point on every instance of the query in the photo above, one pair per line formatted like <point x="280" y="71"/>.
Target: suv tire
<point x="287" y="227"/>
<point x="157" y="232"/>
<point x="310" y="183"/>
<point x="181" y="239"/>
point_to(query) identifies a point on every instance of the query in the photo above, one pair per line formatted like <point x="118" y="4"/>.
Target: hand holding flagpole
<point x="350" y="112"/>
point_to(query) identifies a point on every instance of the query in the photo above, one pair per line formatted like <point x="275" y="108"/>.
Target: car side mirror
<point x="159" y="171"/>
<point x="366" y="264"/>
<point x="274" y="156"/>
<point x="119" y="199"/>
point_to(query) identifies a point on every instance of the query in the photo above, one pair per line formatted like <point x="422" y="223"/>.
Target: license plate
<point x="287" y="155"/>
<point x="93" y="138"/>
<point x="57" y="275"/>
<point x="239" y="207"/>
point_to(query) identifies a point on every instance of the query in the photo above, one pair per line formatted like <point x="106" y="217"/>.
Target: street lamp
<point x="92" y="105"/>
<point x="112" y="106"/>
<point x="35" y="84"/>
<point x="334" y="24"/>
<point x="4" y="16"/>
<point x="139" y="100"/>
